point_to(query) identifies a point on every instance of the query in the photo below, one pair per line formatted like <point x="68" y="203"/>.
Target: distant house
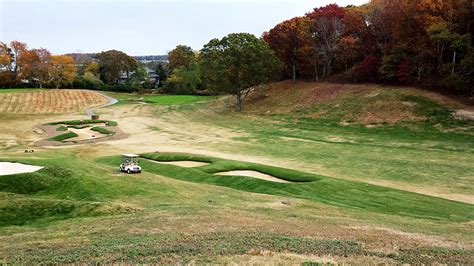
<point x="154" y="78"/>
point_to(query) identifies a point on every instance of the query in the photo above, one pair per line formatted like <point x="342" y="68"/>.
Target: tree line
<point x="393" y="41"/>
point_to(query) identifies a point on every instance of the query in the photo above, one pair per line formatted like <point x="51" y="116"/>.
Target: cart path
<point x="111" y="101"/>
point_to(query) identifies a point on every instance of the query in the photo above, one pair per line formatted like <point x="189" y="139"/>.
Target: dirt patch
<point x="464" y="114"/>
<point x="7" y="168"/>
<point x="253" y="174"/>
<point x="50" y="101"/>
<point x="184" y="163"/>
<point x="387" y="112"/>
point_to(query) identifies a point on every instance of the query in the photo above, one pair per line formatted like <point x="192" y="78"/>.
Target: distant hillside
<point x="85" y="57"/>
<point x="151" y="58"/>
<point x="82" y="57"/>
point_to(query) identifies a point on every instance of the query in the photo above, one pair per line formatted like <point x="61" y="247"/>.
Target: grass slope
<point x="63" y="137"/>
<point x="102" y="130"/>
<point x="175" y="99"/>
<point x="341" y="193"/>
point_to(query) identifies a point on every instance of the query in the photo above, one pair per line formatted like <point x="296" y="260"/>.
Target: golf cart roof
<point x="131" y="155"/>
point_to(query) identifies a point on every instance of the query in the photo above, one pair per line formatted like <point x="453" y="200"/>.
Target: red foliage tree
<point x="288" y="40"/>
<point x="328" y="28"/>
<point x="368" y="70"/>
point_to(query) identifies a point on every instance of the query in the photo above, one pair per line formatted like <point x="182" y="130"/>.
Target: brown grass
<point x="49" y="101"/>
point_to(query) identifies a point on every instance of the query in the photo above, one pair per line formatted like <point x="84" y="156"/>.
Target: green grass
<point x="61" y="128"/>
<point x="318" y="188"/>
<point x="175" y="99"/>
<point x="64" y="136"/>
<point x="102" y="130"/>
<point x="19" y="90"/>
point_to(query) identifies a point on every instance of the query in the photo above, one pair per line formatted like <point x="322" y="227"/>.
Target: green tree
<point x="184" y="80"/>
<point x="181" y="56"/>
<point x="113" y="63"/>
<point x="140" y="79"/>
<point x="237" y="63"/>
<point x="92" y="80"/>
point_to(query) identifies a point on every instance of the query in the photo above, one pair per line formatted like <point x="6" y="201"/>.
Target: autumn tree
<point x="17" y="49"/>
<point x="36" y="66"/>
<point x="237" y="63"/>
<point x="288" y="40"/>
<point x="6" y="57"/>
<point x="92" y="67"/>
<point x="180" y="56"/>
<point x="327" y="30"/>
<point x="62" y="70"/>
<point x="113" y="64"/>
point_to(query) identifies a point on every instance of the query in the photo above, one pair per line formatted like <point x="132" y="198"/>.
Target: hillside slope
<point x="352" y="103"/>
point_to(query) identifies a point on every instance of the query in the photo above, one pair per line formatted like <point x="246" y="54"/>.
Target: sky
<point x="143" y="27"/>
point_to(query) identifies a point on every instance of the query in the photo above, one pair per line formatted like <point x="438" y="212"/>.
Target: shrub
<point x="368" y="70"/>
<point x="61" y="128"/>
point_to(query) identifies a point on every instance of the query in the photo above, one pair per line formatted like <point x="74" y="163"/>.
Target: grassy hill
<point x="376" y="174"/>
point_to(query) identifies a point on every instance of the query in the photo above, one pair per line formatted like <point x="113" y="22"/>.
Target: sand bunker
<point x="85" y="134"/>
<point x="7" y="168"/>
<point x="253" y="174"/>
<point x="185" y="163"/>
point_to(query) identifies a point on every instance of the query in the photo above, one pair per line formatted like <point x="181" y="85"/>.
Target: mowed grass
<point x="175" y="99"/>
<point x="19" y="90"/>
<point x="433" y="155"/>
<point x="342" y="193"/>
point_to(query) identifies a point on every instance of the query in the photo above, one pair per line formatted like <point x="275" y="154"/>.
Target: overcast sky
<point x="141" y="27"/>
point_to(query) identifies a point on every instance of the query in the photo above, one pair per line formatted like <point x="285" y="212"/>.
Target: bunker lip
<point x="50" y="131"/>
<point x="186" y="163"/>
<point x="9" y="168"/>
<point x="254" y="174"/>
<point x="85" y="134"/>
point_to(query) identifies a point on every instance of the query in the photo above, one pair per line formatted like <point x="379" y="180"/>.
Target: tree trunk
<point x="454" y="63"/>
<point x="440" y="56"/>
<point x="316" y="64"/>
<point x="239" y="101"/>
<point x="294" y="71"/>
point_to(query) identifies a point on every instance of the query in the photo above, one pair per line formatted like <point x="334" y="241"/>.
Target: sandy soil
<point x="253" y="174"/>
<point x="85" y="133"/>
<point x="7" y="168"/>
<point x="184" y="163"/>
<point x="464" y="114"/>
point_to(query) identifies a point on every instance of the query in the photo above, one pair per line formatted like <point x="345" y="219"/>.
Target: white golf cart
<point x="130" y="164"/>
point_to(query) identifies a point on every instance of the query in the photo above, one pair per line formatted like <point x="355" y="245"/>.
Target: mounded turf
<point x="347" y="194"/>
<point x="64" y="136"/>
<point x="102" y="130"/>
